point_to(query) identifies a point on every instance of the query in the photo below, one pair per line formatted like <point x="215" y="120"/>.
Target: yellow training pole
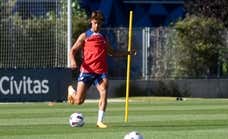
<point x="128" y="66"/>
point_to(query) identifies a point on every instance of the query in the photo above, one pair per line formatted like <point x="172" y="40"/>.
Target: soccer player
<point x="94" y="68"/>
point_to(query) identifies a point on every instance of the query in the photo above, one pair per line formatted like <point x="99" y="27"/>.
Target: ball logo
<point x="11" y="86"/>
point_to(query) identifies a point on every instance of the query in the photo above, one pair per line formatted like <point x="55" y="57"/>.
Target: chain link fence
<point x="157" y="55"/>
<point x="33" y="34"/>
<point x="118" y="38"/>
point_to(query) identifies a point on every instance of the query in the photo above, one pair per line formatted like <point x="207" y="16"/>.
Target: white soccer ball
<point x="76" y="120"/>
<point x="133" y="135"/>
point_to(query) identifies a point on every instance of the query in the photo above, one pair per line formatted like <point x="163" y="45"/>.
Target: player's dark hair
<point x="97" y="15"/>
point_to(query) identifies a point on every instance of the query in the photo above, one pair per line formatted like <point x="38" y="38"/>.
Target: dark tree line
<point x="209" y="8"/>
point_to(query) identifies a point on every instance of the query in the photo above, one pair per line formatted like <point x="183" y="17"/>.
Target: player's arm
<point x="116" y="53"/>
<point x="75" y="48"/>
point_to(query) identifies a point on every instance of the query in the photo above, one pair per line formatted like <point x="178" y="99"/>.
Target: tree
<point x="79" y="19"/>
<point x="217" y="9"/>
<point x="198" y="41"/>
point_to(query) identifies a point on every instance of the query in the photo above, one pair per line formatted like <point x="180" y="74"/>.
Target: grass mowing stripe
<point x="132" y="118"/>
<point x="89" y="128"/>
<point x="154" y="118"/>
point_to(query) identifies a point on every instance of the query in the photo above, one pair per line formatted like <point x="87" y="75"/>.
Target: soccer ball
<point x="76" y="120"/>
<point x="133" y="135"/>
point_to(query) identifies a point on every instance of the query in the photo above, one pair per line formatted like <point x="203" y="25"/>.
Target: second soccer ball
<point x="133" y="135"/>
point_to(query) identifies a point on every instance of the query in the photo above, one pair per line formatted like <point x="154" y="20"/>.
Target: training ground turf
<point x="155" y="118"/>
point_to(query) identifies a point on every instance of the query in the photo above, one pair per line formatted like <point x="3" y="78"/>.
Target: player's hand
<point x="75" y="71"/>
<point x="73" y="66"/>
<point x="132" y="52"/>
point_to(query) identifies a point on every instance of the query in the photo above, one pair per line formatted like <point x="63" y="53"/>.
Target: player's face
<point x="96" y="25"/>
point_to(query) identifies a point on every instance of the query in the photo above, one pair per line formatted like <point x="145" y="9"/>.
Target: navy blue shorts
<point x="91" y="78"/>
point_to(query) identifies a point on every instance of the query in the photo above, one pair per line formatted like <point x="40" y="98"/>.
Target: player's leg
<point x="84" y="82"/>
<point x="77" y="97"/>
<point x="102" y="88"/>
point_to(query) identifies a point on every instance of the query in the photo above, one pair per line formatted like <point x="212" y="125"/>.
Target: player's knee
<point x="103" y="91"/>
<point x="103" y="94"/>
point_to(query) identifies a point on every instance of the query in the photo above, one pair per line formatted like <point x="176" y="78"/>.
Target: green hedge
<point x="195" y="46"/>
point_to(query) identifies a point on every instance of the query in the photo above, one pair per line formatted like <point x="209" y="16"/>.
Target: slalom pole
<point x="128" y="66"/>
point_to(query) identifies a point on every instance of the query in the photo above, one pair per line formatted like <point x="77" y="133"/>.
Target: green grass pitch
<point x="155" y="118"/>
